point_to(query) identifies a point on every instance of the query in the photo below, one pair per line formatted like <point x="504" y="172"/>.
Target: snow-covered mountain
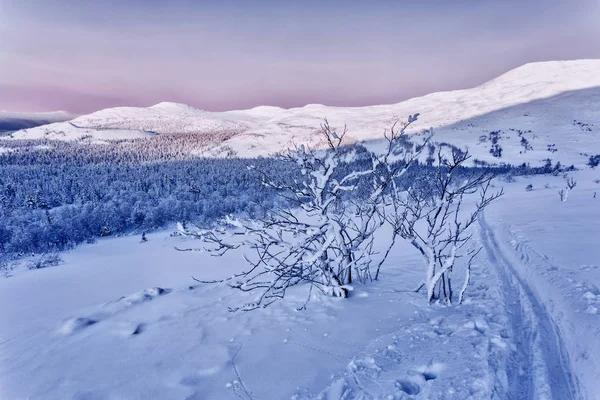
<point x="540" y="110"/>
<point x="14" y="121"/>
<point x="133" y="122"/>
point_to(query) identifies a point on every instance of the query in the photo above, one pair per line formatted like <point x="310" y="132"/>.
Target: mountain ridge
<point x="542" y="100"/>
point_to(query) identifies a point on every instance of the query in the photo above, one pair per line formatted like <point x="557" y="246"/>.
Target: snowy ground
<point x="120" y="319"/>
<point x="552" y="248"/>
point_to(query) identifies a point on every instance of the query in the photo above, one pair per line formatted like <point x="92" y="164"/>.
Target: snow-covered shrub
<point x="480" y="163"/>
<point x="44" y="261"/>
<point x="431" y="214"/>
<point x="594" y="161"/>
<point x="570" y="184"/>
<point x="323" y="237"/>
<point x="509" y="178"/>
<point x="525" y="144"/>
<point x="6" y="267"/>
<point x="495" y="149"/>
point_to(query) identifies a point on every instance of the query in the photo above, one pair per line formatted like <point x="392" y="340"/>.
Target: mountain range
<point x="534" y="112"/>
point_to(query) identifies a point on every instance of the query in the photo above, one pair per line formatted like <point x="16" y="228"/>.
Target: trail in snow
<point x="538" y="368"/>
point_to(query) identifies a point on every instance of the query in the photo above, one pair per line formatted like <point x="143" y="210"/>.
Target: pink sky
<point x="81" y="56"/>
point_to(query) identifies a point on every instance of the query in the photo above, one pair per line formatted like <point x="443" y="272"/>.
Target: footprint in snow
<point x="75" y="324"/>
<point x="413" y="384"/>
<point x="146" y="295"/>
<point x="481" y="325"/>
<point x="365" y="366"/>
<point x="136" y="298"/>
<point x="128" y="329"/>
<point x="430" y="372"/>
<point x="392" y="354"/>
<point x="409" y="386"/>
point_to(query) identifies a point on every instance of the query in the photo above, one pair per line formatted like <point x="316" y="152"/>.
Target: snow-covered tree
<point x="435" y="215"/>
<point x="570" y="184"/>
<point x="324" y="234"/>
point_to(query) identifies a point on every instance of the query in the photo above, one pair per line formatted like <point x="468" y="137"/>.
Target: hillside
<point x="130" y="123"/>
<point x="534" y="112"/>
<point x="553" y="105"/>
<point x="135" y="324"/>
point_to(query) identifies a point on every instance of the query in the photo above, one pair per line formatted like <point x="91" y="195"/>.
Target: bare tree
<point x="570" y="183"/>
<point x="433" y="216"/>
<point x="324" y="235"/>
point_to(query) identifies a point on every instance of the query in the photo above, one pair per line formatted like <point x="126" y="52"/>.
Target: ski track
<point x="538" y="367"/>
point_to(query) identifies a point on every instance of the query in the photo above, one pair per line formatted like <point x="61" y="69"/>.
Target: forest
<point x="55" y="195"/>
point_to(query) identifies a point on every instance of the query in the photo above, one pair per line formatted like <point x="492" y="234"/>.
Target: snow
<point x="133" y="122"/>
<point x="559" y="101"/>
<point x="554" y="246"/>
<point x="66" y="131"/>
<point x="120" y="318"/>
<point x="114" y="334"/>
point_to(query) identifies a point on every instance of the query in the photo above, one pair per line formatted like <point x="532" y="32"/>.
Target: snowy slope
<point x="135" y="325"/>
<point x="554" y="104"/>
<point x="558" y="101"/>
<point x="133" y="122"/>
<point x="14" y="121"/>
<point x="160" y="118"/>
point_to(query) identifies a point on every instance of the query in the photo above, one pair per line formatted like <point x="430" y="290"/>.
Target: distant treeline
<point x="55" y="195"/>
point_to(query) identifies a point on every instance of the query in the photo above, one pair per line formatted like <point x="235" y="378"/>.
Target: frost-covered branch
<point x="323" y="236"/>
<point x="435" y="219"/>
